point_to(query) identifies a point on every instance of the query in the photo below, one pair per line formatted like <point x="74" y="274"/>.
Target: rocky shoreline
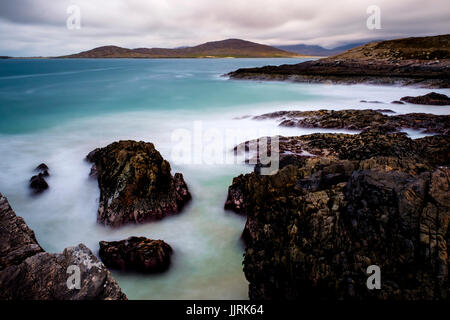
<point x="27" y="272"/>
<point x="338" y="204"/>
<point x="368" y="119"/>
<point x="136" y="185"/>
<point x="423" y="62"/>
<point x="341" y="203"/>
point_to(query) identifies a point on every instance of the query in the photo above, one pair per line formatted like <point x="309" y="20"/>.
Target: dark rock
<point x="27" y="272"/>
<point x="313" y="228"/>
<point x="432" y="98"/>
<point x="136" y="253"/>
<point x="361" y="120"/>
<point x="373" y="101"/>
<point x="43" y="168"/>
<point x="385" y="110"/>
<point x="431" y="150"/>
<point x="397" y="102"/>
<point x="38" y="183"/>
<point x="136" y="184"/>
<point x="17" y="241"/>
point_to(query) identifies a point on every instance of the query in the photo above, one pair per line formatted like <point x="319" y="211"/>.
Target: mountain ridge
<point x="316" y="50"/>
<point x="235" y="48"/>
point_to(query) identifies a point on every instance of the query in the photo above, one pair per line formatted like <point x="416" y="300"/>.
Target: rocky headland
<point x="136" y="184"/>
<point x="340" y="203"/>
<point x="27" y="272"/>
<point x="420" y="61"/>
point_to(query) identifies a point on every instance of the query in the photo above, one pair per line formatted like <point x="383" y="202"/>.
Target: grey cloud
<point x="37" y="27"/>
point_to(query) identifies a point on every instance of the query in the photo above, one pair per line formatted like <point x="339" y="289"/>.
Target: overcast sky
<point x="38" y="27"/>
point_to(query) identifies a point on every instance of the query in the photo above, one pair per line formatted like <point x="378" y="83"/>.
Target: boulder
<point x="27" y="272"/>
<point x="135" y="184"/>
<point x="38" y="183"/>
<point x="136" y="253"/>
<point x="431" y="98"/>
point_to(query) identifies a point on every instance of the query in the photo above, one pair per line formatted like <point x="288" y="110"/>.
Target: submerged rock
<point x="27" y="272"/>
<point x="432" y="98"/>
<point x="135" y="184"/>
<point x="43" y="168"/>
<point x="314" y="227"/>
<point x="136" y="253"/>
<point x="38" y="183"/>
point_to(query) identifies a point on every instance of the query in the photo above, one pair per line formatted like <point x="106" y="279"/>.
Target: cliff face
<point x="27" y="272"/>
<point x="421" y="61"/>
<point x="315" y="227"/>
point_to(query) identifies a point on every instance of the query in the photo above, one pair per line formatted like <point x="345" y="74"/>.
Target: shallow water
<point x="56" y="111"/>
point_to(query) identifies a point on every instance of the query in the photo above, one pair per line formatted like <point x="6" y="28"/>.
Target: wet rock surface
<point x="431" y="98"/>
<point x="27" y="272"/>
<point x="136" y="253"/>
<point x="136" y="184"/>
<point x="43" y="168"/>
<point x="37" y="183"/>
<point x="315" y="226"/>
<point x="352" y="119"/>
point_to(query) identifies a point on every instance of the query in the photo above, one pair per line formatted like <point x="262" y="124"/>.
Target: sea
<point x="58" y="110"/>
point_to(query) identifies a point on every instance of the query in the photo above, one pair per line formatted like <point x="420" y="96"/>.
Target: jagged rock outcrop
<point x="135" y="184"/>
<point x="429" y="151"/>
<point x="27" y="272"/>
<point x="136" y="253"/>
<point x="431" y="98"/>
<point x="361" y="120"/>
<point x="17" y="241"/>
<point x="315" y="226"/>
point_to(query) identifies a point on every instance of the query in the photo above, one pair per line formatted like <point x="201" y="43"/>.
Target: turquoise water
<point x="56" y="111"/>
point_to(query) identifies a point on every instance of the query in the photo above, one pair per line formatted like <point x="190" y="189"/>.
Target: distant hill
<point x="313" y="50"/>
<point x="234" y="48"/>
<point x="413" y="48"/>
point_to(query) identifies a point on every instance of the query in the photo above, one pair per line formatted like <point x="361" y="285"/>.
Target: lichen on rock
<point x="315" y="226"/>
<point x="136" y="184"/>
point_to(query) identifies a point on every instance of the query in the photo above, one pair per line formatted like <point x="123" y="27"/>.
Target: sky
<point x="40" y="27"/>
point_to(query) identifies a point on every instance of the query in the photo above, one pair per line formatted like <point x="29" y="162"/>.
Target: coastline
<point x="70" y="204"/>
